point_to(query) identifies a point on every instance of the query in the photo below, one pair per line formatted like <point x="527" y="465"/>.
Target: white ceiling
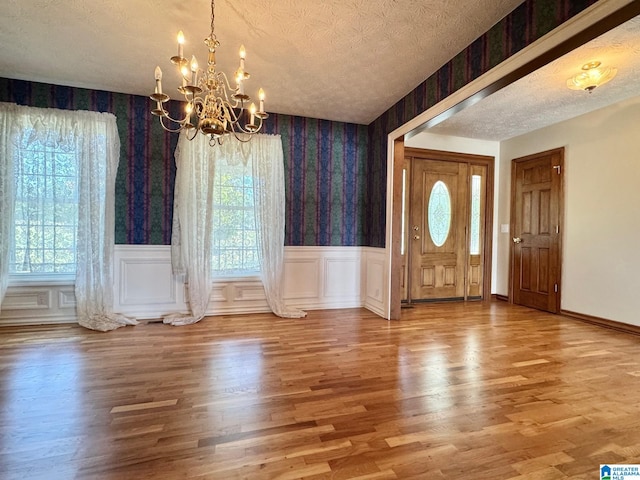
<point x="345" y="60"/>
<point x="543" y="99"/>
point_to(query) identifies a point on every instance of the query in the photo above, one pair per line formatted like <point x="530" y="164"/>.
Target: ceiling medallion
<point x="591" y="77"/>
<point x="212" y="107"/>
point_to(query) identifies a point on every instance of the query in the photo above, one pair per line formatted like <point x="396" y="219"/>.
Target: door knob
<point x="517" y="240"/>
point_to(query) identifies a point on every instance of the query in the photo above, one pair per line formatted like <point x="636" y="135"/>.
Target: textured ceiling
<point x="543" y="99"/>
<point x="346" y="60"/>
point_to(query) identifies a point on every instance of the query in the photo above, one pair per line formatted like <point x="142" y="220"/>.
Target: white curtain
<point x="7" y="198"/>
<point x="94" y="139"/>
<point x="192" y="239"/>
<point x="268" y="184"/>
<point x="193" y="224"/>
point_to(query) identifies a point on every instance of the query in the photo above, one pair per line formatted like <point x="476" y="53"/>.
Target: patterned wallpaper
<point x="324" y="167"/>
<point x="325" y="179"/>
<point x="530" y="21"/>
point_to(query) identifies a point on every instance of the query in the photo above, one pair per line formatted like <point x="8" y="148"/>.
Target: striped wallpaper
<point x="325" y="179"/>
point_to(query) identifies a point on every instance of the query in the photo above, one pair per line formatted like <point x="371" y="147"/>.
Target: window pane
<point x="474" y="246"/>
<point x="46" y="210"/>
<point x="234" y="233"/>
<point x="439" y="213"/>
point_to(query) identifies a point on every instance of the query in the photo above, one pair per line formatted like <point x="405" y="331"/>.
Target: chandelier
<point x="212" y="107"/>
<point x="592" y="76"/>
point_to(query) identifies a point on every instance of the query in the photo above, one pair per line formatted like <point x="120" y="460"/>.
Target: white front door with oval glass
<point x="437" y="238"/>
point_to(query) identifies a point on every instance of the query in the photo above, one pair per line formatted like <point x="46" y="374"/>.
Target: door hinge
<point x="557" y="228"/>
<point x="555" y="288"/>
<point x="557" y="167"/>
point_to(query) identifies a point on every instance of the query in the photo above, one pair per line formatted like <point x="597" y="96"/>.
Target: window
<point x="235" y="241"/>
<point x="439" y="213"/>
<point x="46" y="209"/>
<point x="405" y="213"/>
<point x="474" y="236"/>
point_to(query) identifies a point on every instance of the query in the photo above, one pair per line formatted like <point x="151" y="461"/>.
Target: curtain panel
<point x="93" y="140"/>
<point x="192" y="238"/>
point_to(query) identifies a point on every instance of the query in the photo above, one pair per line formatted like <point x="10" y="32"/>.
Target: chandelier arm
<point x="231" y="115"/>
<point x="245" y="139"/>
<point x="255" y="127"/>
<point x="169" y="129"/>
<point x="224" y="79"/>
<point x="234" y="118"/>
<point x="195" y="133"/>
<point x="179" y="122"/>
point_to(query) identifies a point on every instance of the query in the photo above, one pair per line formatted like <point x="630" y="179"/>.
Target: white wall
<point x="144" y="287"/>
<point x="472" y="146"/>
<point x="601" y="259"/>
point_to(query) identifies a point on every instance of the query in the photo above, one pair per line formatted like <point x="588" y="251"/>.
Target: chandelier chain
<point x="213" y="16"/>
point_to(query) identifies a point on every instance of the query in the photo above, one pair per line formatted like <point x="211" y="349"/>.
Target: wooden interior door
<point x="536" y="215"/>
<point x="437" y="239"/>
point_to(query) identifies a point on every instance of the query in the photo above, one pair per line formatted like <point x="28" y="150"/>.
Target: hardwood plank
<point x="456" y="391"/>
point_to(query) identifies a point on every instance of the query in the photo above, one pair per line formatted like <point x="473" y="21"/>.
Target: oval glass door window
<point x="439" y="213"/>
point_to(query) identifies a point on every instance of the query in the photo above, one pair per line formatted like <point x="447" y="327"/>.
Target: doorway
<point x="447" y="223"/>
<point x="536" y="226"/>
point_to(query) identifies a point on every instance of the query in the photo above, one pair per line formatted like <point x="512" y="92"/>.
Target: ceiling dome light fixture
<point x="592" y="76"/>
<point x="219" y="109"/>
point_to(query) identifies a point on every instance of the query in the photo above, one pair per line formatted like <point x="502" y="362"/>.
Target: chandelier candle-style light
<point x="213" y="107"/>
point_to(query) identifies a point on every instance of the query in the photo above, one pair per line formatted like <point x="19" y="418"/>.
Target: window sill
<point x="254" y="277"/>
<point x="43" y="280"/>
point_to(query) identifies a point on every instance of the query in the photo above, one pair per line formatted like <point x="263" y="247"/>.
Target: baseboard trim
<point x="602" y="322"/>
<point x="502" y="298"/>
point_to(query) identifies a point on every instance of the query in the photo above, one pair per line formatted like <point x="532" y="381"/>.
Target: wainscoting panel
<point x="301" y="273"/>
<point x="32" y="299"/>
<point x="145" y="288"/>
<point x="322" y="277"/>
<point x="342" y="277"/>
<point x="37" y="304"/>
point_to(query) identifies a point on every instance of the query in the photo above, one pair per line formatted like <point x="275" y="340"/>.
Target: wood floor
<point x="456" y="391"/>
